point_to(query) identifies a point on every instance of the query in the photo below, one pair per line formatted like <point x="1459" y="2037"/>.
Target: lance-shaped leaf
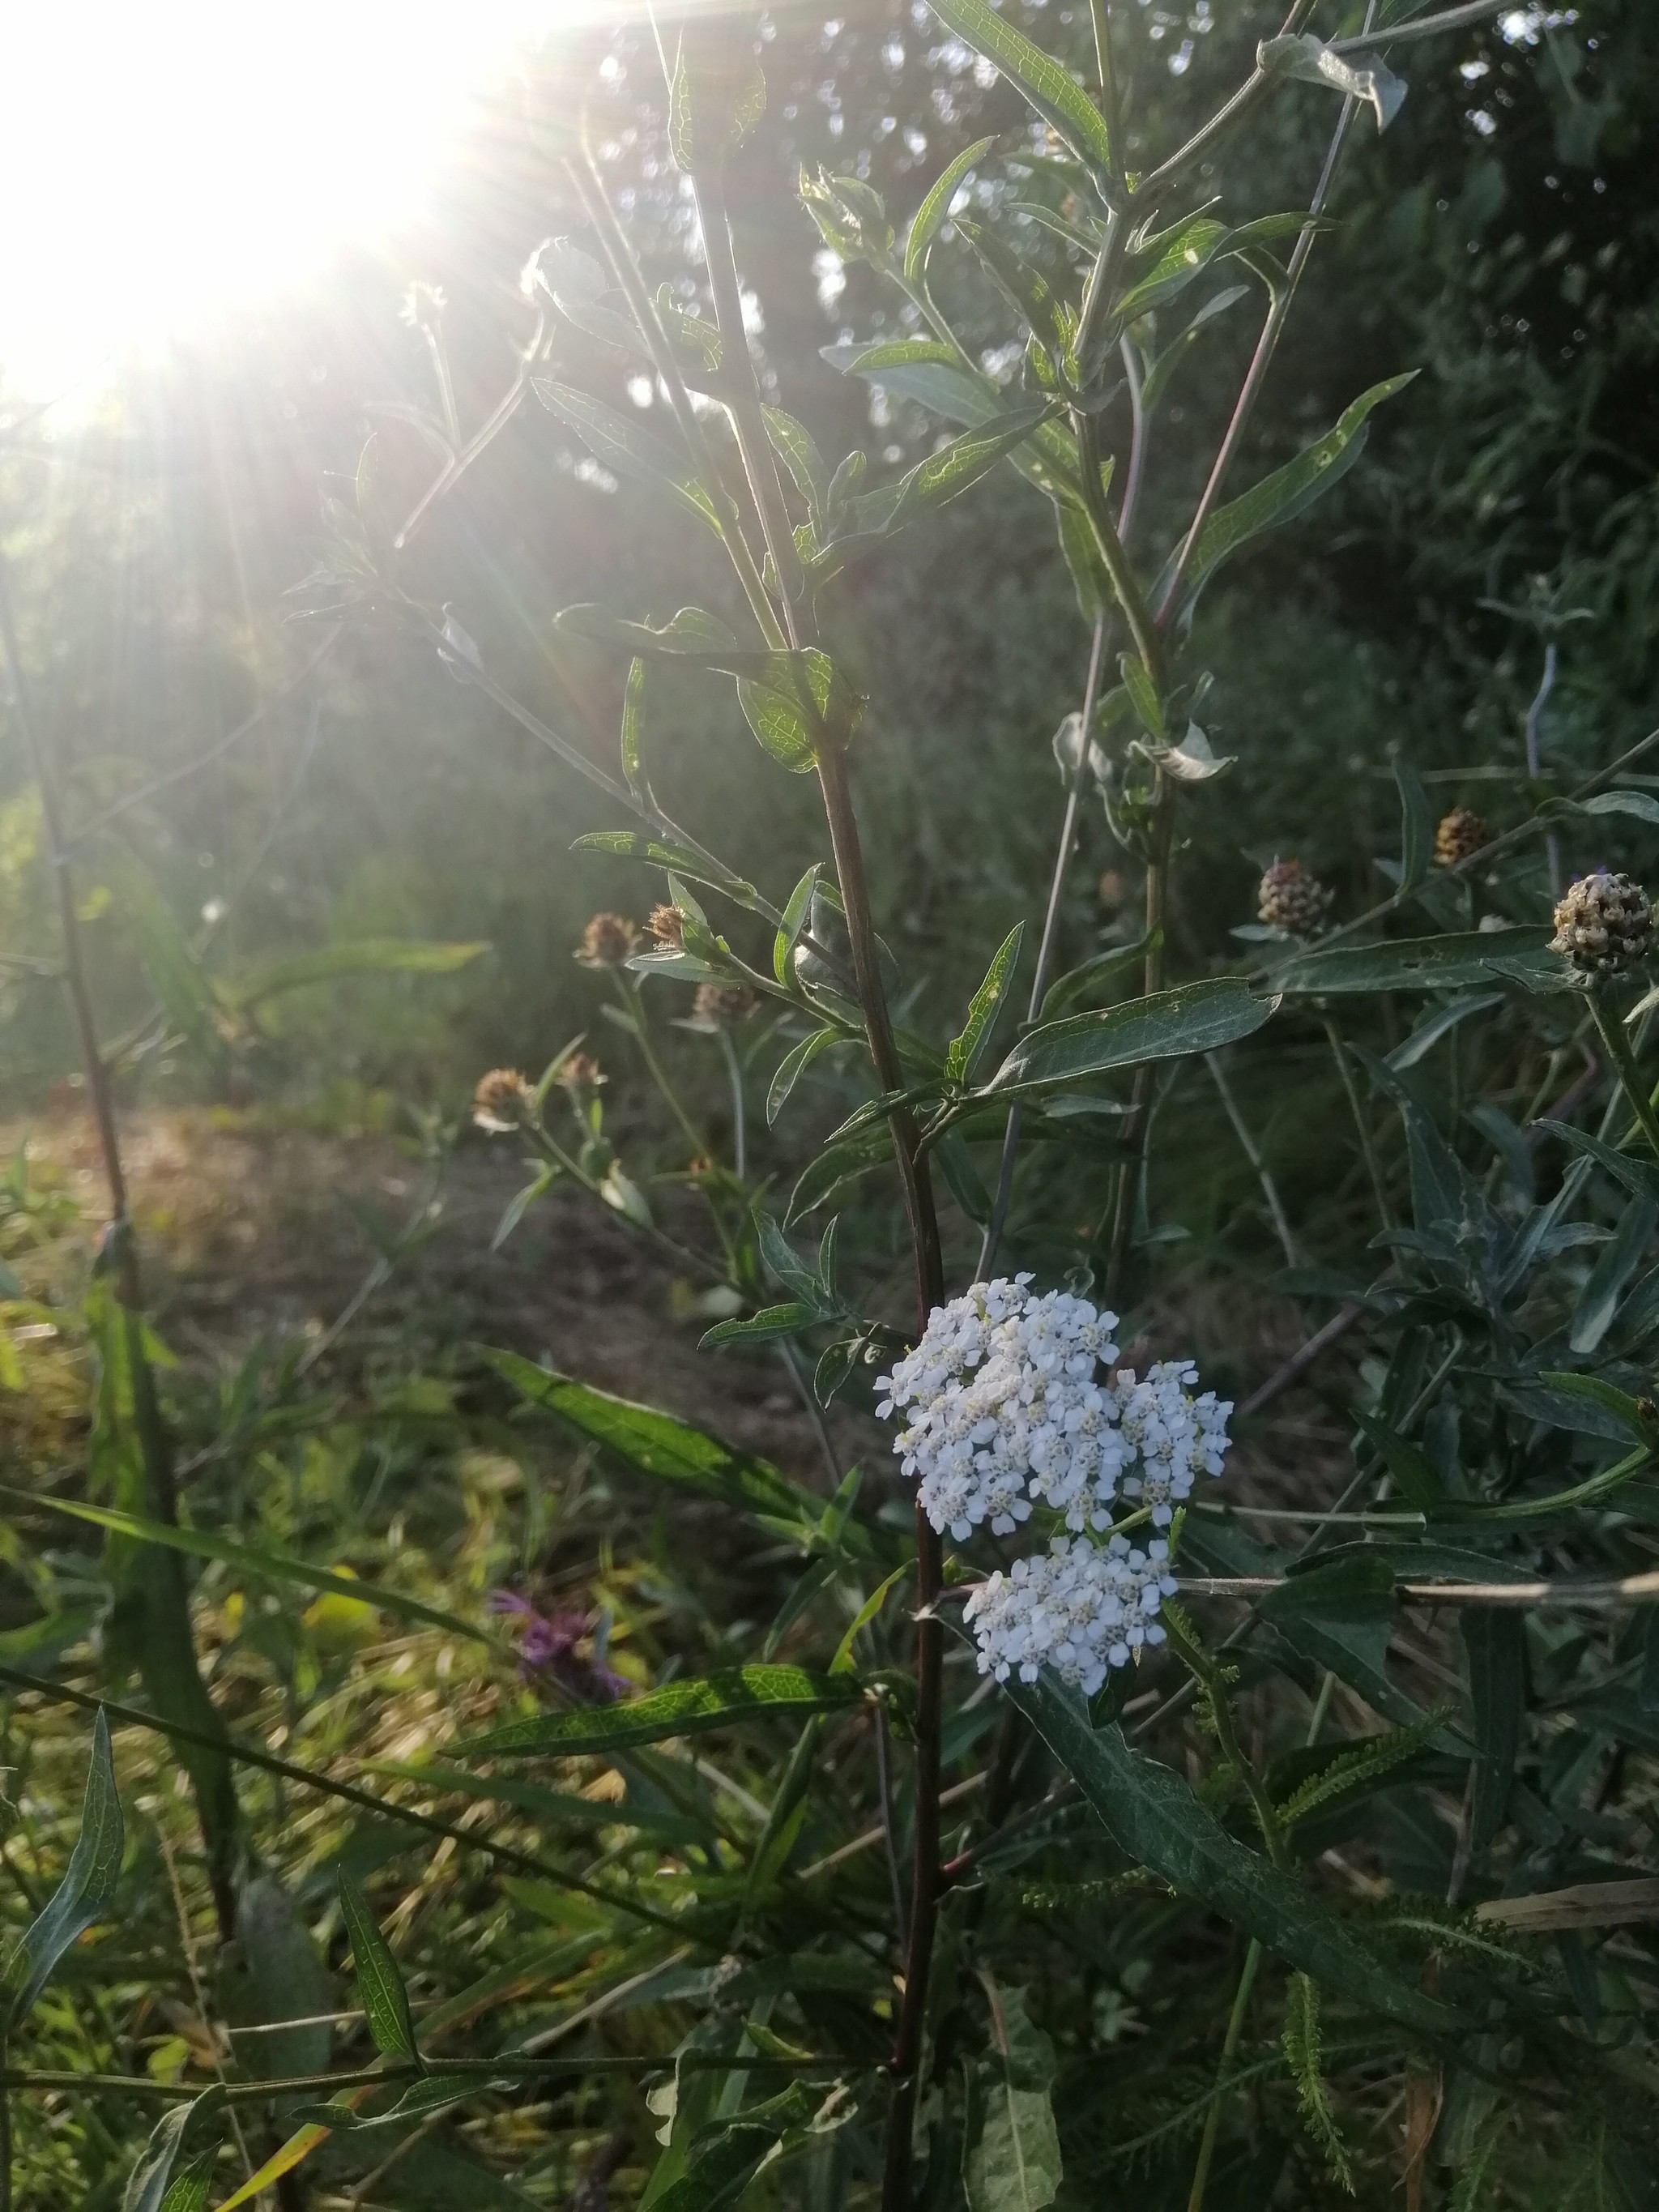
<point x="934" y="483"/>
<point x="365" y="956"/>
<point x="934" y="212"/>
<point x="624" y="447"/>
<point x="692" y="634"/>
<point x="1360" y="76"/>
<point x="963" y="1055"/>
<point x="87" y="1890"/>
<point x="1013" y="2159"/>
<point x="690" y="1707"/>
<point x="798" y="704"/>
<point x="1416" y="824"/>
<point x="796" y="448"/>
<point x="150" y="2186"/>
<point x="794" y="1065"/>
<point x="633" y="845"/>
<point x="666" y="1449"/>
<point x="1192" y="1017"/>
<point x="1152" y="1815"/>
<point x="380" y="1986"/>
<point x="1458" y="961"/>
<point x="1289" y="491"/>
<point x="1048" y="86"/>
<point x="1183" y="259"/>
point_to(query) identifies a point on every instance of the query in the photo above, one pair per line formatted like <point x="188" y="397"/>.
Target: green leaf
<point x="633" y="731"/>
<point x="725" y="2157"/>
<point x="717" y="96"/>
<point x="623" y="446"/>
<point x="1637" y="1174"/>
<point x="87" y="1891"/>
<point x="1151" y="1815"/>
<point x="943" y="477"/>
<point x="368" y="955"/>
<point x="436" y="2092"/>
<point x="1156" y="380"/>
<point x="1046" y="85"/>
<point x="797" y="449"/>
<point x="1643" y="804"/>
<point x="934" y="212"/>
<point x="249" y="1558"/>
<point x="1617" y="1262"/>
<point x="380" y="1988"/>
<point x="963" y="1057"/>
<point x="1290" y="490"/>
<point x="1095" y="973"/>
<point x="1438" y="1021"/>
<point x="784" y="1817"/>
<point x="798" y="704"/>
<point x="1143" y="694"/>
<point x="633" y="845"/>
<point x="273" y="1981"/>
<point x="1361" y="77"/>
<point x="1459" y="962"/>
<point x="182" y="984"/>
<point x="1415" y="1480"/>
<point x="1495" y="1646"/>
<point x="769" y="1326"/>
<point x="717" y="1701"/>
<point x="1013" y="2161"/>
<point x="794" y="1065"/>
<point x="666" y="1449"/>
<point x="1186" y="254"/>
<point x="1303" y="2052"/>
<point x="148" y="2188"/>
<point x="1416" y="824"/>
<point x="842" y="1663"/>
<point x="1191" y="1018"/>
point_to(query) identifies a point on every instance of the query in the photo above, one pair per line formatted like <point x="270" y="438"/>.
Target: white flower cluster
<point x="1079" y="1609"/>
<point x="1004" y="1408"/>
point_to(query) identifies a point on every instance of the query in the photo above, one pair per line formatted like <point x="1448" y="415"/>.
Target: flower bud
<point x="1290" y="899"/>
<point x="608" y="940"/>
<point x="1460" y="835"/>
<point x="667" y="924"/>
<point x="501" y="1101"/>
<point x="582" y="1075"/>
<point x="1603" y="926"/>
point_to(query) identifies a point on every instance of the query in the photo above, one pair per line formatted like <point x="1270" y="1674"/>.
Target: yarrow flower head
<point x="1005" y="1406"/>
<point x="1009" y="1402"/>
<point x="1080" y="1608"/>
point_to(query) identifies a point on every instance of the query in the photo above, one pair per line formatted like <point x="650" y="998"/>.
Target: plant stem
<point x="633" y="1006"/>
<point x="988" y="1250"/>
<point x="1266" y="345"/>
<point x="1253" y="1153"/>
<point x="1611" y="1031"/>
<point x="1356" y="1107"/>
<point x="914" y="1180"/>
<point x="1139" y="1128"/>
<point x="739" y="1129"/>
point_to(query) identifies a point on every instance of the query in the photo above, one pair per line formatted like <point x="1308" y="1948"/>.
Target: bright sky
<point x="160" y="157"/>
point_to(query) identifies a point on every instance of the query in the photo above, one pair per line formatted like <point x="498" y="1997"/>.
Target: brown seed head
<point x="1603" y="926"/>
<point x="501" y="1101"/>
<point x="718" y="1004"/>
<point x="608" y="940"/>
<point x="1290" y="899"/>
<point x="582" y="1075"/>
<point x="667" y="924"/>
<point x="1460" y="835"/>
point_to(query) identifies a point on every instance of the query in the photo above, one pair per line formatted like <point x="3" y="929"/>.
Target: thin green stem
<point x="633" y="1008"/>
<point x="1257" y="1158"/>
<point x="1611" y="1030"/>
<point x="1142" y="628"/>
<point x="1111" y="105"/>
<point x="1356" y="1107"/>
<point x="739" y="1118"/>
<point x="1138" y="1129"/>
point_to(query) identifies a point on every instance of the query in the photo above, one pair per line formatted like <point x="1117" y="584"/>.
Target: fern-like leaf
<point x="1469" y="2187"/>
<point x="1364" y="1764"/>
<point x="1304" y="2050"/>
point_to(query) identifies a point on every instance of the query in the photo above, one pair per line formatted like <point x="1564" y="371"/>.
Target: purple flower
<point x="547" y="1643"/>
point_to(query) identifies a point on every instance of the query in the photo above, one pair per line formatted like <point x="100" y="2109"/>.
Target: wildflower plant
<point x="817" y="2019"/>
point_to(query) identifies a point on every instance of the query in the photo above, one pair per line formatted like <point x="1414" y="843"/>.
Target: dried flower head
<point x="1603" y="926"/>
<point x="1290" y="899"/>
<point x="716" y="1006"/>
<point x="608" y="940"/>
<point x="582" y="1075"/>
<point x="667" y="924"/>
<point x="1460" y="835"/>
<point x="501" y="1101"/>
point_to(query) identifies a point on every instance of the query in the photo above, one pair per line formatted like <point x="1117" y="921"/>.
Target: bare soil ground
<point x="250" y="1230"/>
